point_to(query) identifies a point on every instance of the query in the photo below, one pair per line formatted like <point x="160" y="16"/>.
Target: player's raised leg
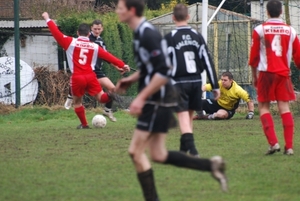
<point x="158" y="153"/>
<point x="108" y="85"/>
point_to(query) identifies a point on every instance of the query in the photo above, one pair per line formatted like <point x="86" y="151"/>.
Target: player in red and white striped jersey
<point x="82" y="56"/>
<point x="274" y="43"/>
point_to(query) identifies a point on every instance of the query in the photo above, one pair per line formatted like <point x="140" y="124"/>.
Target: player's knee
<point x="158" y="157"/>
<point x="133" y="157"/>
<point x="111" y="89"/>
<point x="221" y="116"/>
<point x="133" y="154"/>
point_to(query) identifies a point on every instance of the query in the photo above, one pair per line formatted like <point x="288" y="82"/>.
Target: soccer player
<point x="273" y="45"/>
<point x="96" y="30"/>
<point x="153" y="104"/>
<point x="225" y="106"/>
<point x="82" y="56"/>
<point x="189" y="56"/>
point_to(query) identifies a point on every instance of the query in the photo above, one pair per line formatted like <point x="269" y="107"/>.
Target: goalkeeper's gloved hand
<point x="250" y="115"/>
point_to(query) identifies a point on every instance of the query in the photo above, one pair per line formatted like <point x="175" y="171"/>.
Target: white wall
<point x="39" y="51"/>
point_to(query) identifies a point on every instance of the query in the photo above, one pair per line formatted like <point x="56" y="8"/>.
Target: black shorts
<point x="99" y="73"/>
<point x="156" y="119"/>
<point x="190" y="96"/>
<point x="211" y="106"/>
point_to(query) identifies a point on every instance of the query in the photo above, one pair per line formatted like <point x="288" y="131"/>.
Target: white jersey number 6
<point x="190" y="63"/>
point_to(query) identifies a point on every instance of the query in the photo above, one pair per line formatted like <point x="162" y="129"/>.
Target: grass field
<point x="44" y="158"/>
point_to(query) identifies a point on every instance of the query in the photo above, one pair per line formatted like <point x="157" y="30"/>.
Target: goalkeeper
<point x="225" y="106"/>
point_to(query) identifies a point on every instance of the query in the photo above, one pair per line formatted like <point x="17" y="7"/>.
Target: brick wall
<point x="7" y="9"/>
<point x="27" y="7"/>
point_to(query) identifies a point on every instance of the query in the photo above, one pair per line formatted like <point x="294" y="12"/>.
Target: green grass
<point x="43" y="157"/>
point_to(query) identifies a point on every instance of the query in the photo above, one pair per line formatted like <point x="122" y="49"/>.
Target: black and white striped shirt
<point x="151" y="57"/>
<point x="99" y="41"/>
<point x="189" y="56"/>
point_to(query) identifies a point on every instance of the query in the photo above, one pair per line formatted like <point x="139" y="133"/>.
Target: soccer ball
<point x="99" y="121"/>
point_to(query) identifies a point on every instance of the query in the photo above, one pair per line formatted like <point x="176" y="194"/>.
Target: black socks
<point x="187" y="144"/>
<point x="146" y="180"/>
<point x="108" y="105"/>
<point x="180" y="159"/>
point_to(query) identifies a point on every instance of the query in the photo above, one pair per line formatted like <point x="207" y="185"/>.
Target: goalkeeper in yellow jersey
<point x="225" y="106"/>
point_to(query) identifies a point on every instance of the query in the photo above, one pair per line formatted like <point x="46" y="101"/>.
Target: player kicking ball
<point x="82" y="56"/>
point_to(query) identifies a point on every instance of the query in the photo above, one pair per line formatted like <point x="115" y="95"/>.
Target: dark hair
<point x="180" y="12"/>
<point x="139" y="6"/>
<point x="274" y="8"/>
<point x="227" y="74"/>
<point x="83" y="29"/>
<point x="97" y="22"/>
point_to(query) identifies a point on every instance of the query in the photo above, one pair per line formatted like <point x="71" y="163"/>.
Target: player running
<point x="153" y="104"/>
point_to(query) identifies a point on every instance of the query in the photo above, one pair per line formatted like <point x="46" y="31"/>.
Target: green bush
<point x="117" y="37"/>
<point x="295" y="76"/>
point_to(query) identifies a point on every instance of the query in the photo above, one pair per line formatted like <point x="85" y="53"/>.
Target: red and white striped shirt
<point x="81" y="53"/>
<point x="274" y="43"/>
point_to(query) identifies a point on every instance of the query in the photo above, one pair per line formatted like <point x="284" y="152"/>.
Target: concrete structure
<point x="38" y="47"/>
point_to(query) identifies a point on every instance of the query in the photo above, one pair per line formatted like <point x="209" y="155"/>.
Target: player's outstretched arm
<point x="103" y="54"/>
<point x="61" y="39"/>
<point x="123" y="70"/>
<point x="45" y="15"/>
<point x="250" y="114"/>
<point x="126" y="82"/>
<point x="157" y="81"/>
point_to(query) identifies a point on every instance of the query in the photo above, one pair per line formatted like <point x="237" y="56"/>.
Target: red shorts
<point x="274" y="87"/>
<point x="85" y="83"/>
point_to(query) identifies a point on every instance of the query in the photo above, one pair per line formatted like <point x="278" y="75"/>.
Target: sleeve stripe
<point x="208" y="64"/>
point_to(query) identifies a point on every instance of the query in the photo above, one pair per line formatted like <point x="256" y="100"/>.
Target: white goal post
<point x="205" y="24"/>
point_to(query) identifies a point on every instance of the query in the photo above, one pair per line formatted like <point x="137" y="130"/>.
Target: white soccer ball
<point x="99" y="121"/>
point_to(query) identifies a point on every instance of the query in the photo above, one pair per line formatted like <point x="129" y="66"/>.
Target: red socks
<point x="80" y="112"/>
<point x="268" y="127"/>
<point x="288" y="129"/>
<point x="105" y="98"/>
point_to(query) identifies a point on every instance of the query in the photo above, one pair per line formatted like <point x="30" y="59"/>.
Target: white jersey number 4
<point x="276" y="45"/>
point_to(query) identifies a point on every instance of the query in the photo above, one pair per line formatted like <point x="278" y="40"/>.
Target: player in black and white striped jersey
<point x="189" y="55"/>
<point x="153" y="104"/>
<point x="95" y="36"/>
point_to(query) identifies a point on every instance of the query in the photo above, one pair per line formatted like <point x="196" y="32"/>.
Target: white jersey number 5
<point x="83" y="56"/>
<point x="276" y="45"/>
<point x="190" y="63"/>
